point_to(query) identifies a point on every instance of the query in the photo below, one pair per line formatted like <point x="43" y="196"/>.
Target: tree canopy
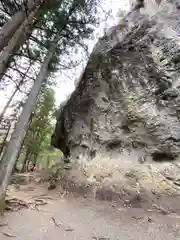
<point x="37" y="38"/>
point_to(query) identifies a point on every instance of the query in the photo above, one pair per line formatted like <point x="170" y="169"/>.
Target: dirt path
<point x="79" y="218"/>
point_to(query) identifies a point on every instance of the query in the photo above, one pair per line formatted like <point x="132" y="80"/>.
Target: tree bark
<point x="24" y="166"/>
<point x="13" y="94"/>
<point x="47" y="161"/>
<point x="11" y="152"/>
<point x="4" y="140"/>
<point x="16" y="41"/>
<point x="10" y="7"/>
<point x="9" y="29"/>
<point x="7" y="104"/>
<point x="19" y="153"/>
<point x="35" y="157"/>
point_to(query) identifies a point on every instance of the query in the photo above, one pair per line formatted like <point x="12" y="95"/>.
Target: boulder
<point x="121" y="124"/>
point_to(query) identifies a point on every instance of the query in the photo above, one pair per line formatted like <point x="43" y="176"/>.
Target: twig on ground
<point x="137" y="217"/>
<point x="36" y="208"/>
<point x="8" y="235"/>
<point x="55" y="223"/>
<point x="39" y="202"/>
<point x="15" y="204"/>
<point x="64" y="193"/>
<point x="100" y="238"/>
<point x="3" y="224"/>
<point x="39" y="196"/>
<point x="69" y="229"/>
<point x="46" y="197"/>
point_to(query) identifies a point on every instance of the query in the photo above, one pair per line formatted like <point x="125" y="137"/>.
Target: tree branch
<point x="34" y="39"/>
<point x="28" y="57"/>
<point x="21" y="73"/>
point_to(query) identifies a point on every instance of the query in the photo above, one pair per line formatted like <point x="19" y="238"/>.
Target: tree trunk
<point x="13" y="94"/>
<point x="19" y="153"/>
<point x="16" y="41"/>
<point x="9" y="6"/>
<point x="23" y="169"/>
<point x="48" y="162"/>
<point x="11" y="152"/>
<point x="35" y="157"/>
<point x="7" y="104"/>
<point x="9" y="29"/>
<point x="4" y="140"/>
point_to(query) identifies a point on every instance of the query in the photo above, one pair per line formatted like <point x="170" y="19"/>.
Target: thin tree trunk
<point x="22" y="144"/>
<point x="11" y="152"/>
<point x="32" y="156"/>
<point x="24" y="166"/>
<point x="16" y="41"/>
<point x="9" y="6"/>
<point x="4" y="140"/>
<point x="7" y="104"/>
<point x="48" y="162"/>
<point x="12" y="96"/>
<point x="35" y="159"/>
<point x="9" y="29"/>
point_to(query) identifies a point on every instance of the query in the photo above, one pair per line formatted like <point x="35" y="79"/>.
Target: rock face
<point x="125" y="111"/>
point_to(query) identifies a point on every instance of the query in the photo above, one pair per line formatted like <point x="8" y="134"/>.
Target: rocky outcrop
<point x="124" y="113"/>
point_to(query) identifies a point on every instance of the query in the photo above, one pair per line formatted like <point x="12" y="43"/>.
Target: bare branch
<point x="21" y="73"/>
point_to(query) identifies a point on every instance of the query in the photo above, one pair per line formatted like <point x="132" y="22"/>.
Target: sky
<point x="65" y="84"/>
<point x="65" y="80"/>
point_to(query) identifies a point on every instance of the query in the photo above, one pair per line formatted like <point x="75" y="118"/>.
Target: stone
<point x="126" y="106"/>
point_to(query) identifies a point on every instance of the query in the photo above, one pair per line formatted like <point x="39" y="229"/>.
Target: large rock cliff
<point x="121" y="124"/>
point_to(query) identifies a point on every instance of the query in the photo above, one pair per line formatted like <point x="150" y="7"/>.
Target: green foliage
<point x="74" y="21"/>
<point x="37" y="139"/>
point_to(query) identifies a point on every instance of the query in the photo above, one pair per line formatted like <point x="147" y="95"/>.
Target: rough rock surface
<point x="121" y="124"/>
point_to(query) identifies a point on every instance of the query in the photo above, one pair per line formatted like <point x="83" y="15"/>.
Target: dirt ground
<point x="56" y="215"/>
